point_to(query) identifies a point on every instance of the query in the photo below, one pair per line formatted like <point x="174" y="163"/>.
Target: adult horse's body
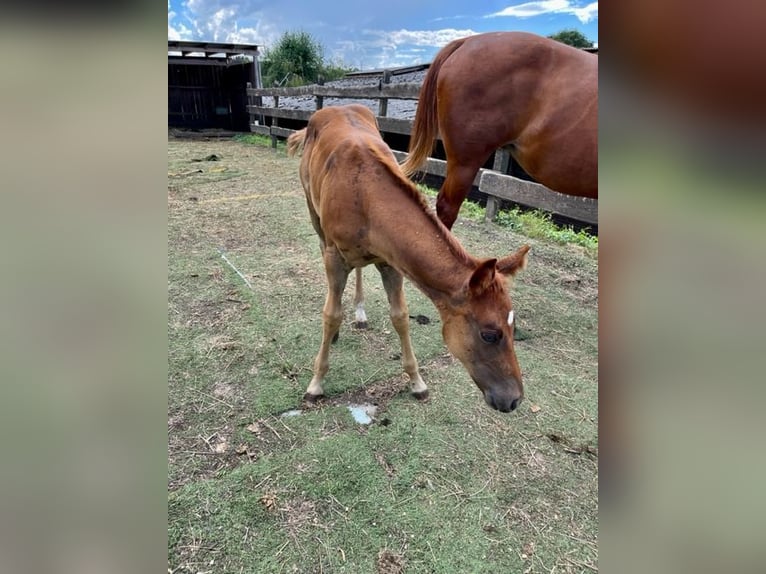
<point x="536" y="97"/>
<point x="366" y="211"/>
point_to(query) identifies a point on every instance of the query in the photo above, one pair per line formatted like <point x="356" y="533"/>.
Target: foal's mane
<point x="414" y="193"/>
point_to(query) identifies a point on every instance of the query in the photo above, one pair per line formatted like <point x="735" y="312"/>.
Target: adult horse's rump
<point x="366" y="211"/>
<point x="534" y="96"/>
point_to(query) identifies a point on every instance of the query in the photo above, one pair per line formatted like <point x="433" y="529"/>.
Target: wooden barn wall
<point x="207" y="95"/>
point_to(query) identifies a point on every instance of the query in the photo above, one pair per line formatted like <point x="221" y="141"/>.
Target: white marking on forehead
<point x="510" y="317"/>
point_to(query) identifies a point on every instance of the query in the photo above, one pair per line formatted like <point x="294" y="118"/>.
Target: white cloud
<point x="261" y="34"/>
<point x="433" y="38"/>
<point x="244" y="36"/>
<point x="219" y="21"/>
<point x="221" y="24"/>
<point x="179" y="32"/>
<point x="385" y="48"/>
<point x="391" y="48"/>
<point x="590" y="12"/>
<point x="529" y="9"/>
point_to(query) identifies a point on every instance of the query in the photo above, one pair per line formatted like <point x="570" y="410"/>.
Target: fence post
<point x="249" y="100"/>
<point x="319" y="100"/>
<point x="502" y="161"/>
<point x="383" y="102"/>
<point x="492" y="207"/>
<point x="274" y="123"/>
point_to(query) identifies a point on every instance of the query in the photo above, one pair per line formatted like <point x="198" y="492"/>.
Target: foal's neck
<point x="428" y="254"/>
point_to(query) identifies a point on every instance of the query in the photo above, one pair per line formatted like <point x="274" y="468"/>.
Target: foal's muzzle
<point x="504" y="402"/>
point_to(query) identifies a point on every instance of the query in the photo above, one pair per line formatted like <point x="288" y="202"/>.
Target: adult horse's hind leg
<point x="393" y="283"/>
<point x="332" y="315"/>
<point x="454" y="190"/>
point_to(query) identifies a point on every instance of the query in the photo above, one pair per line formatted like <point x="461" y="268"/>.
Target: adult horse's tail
<point x="295" y="142"/>
<point x="426" y="124"/>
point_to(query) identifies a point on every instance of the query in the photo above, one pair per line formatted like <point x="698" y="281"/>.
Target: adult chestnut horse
<point x="366" y="211"/>
<point x="535" y="97"/>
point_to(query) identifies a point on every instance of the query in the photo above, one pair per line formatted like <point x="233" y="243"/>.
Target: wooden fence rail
<point x="494" y="183"/>
<point x="402" y="91"/>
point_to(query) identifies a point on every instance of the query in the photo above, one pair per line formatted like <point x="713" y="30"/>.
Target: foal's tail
<point x="295" y="142"/>
<point x="426" y="126"/>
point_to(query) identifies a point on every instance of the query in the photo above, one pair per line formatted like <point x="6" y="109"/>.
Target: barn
<point x="207" y="84"/>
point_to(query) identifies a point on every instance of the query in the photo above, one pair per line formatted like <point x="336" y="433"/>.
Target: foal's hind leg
<point x="392" y="281"/>
<point x="332" y="315"/>
<point x="361" y="316"/>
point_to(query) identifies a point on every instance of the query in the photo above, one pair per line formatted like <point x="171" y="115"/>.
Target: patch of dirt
<point x="176" y="421"/>
<point x="379" y="393"/>
<point x="385" y="465"/>
<point x="570" y="447"/>
<point x="267" y="433"/>
<point x="210" y="313"/>
<point x="202" y="455"/>
<point x="269" y="501"/>
<point x="298" y="515"/>
<point x="223" y="390"/>
<point x="390" y="562"/>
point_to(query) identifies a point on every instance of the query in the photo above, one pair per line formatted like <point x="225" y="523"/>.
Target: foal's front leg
<point x="337" y="275"/>
<point x="400" y="317"/>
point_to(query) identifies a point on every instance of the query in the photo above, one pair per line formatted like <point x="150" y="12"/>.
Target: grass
<point x="535" y="224"/>
<point x="539" y="225"/>
<point x="443" y="486"/>
<point x="260" y="140"/>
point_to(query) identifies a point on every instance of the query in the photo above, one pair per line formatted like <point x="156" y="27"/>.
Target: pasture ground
<point x="444" y="486"/>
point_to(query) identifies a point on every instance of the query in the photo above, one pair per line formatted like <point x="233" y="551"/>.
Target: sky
<point x="370" y="34"/>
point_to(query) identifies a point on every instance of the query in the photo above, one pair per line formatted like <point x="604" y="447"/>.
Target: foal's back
<point x="353" y="183"/>
<point x="341" y="149"/>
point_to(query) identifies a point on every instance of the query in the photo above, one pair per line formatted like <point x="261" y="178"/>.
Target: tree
<point x="572" y="37"/>
<point x="297" y="59"/>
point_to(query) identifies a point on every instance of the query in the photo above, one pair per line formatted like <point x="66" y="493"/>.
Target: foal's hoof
<point x="359" y="325"/>
<point x="309" y="398"/>
<point x="421" y="396"/>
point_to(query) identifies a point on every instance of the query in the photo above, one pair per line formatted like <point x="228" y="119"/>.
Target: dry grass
<point x="442" y="486"/>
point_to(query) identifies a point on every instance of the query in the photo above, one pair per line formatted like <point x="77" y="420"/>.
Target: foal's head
<point x="478" y="330"/>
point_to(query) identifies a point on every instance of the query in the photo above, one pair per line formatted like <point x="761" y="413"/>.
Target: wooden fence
<point x="494" y="183"/>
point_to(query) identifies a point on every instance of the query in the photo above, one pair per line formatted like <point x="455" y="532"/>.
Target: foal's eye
<point x="491" y="336"/>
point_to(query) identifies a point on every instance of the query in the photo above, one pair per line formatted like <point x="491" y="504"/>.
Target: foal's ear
<point x="514" y="263"/>
<point x="483" y="276"/>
